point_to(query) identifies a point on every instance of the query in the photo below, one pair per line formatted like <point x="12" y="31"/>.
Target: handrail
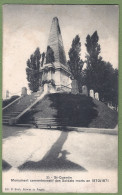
<point x="28" y="108"/>
<point x="63" y="86"/>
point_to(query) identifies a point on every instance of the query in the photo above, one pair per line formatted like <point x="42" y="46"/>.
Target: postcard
<point x="60" y="98"/>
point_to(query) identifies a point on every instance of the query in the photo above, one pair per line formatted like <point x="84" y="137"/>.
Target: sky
<point x="26" y="27"/>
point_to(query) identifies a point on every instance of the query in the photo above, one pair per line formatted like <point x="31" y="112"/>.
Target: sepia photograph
<point x="60" y="98"/>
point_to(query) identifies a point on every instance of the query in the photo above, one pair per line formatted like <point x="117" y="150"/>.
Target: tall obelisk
<point x="56" y="43"/>
<point x="61" y="75"/>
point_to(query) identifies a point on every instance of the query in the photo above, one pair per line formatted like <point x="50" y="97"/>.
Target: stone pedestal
<point x="97" y="95"/>
<point x="46" y="90"/>
<point x="84" y="90"/>
<point x="74" y="86"/>
<point x="92" y="93"/>
<point x="24" y="91"/>
<point x="12" y="121"/>
<point x="51" y="89"/>
<point x="7" y="94"/>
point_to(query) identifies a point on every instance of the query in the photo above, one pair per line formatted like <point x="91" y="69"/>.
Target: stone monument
<point x="7" y="94"/>
<point x="58" y="70"/>
<point x="74" y="86"/>
<point x="97" y="96"/>
<point x="84" y="90"/>
<point x="92" y="93"/>
<point x="24" y="91"/>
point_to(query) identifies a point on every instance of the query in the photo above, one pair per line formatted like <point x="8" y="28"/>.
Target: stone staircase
<point x="50" y="123"/>
<point x="15" y="109"/>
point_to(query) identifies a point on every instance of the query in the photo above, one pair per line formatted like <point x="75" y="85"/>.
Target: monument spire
<point x="56" y="71"/>
<point x="56" y="43"/>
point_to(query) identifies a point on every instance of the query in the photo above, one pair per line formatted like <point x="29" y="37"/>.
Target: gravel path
<point x="34" y="154"/>
<point x="88" y="150"/>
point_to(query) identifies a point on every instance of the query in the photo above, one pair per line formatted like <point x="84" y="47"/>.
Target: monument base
<point x="58" y="73"/>
<point x="48" y="88"/>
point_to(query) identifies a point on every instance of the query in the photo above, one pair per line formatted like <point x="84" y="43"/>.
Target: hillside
<point x="73" y="110"/>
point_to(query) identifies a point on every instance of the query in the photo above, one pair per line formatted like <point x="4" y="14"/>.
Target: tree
<point x="115" y="88"/>
<point x="32" y="71"/>
<point x="75" y="63"/>
<point x="100" y="75"/>
<point x="108" y="88"/>
<point x="43" y="57"/>
<point x="50" y="55"/>
<point x="93" y="60"/>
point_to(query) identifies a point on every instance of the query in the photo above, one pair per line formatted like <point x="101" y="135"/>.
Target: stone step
<point x="5" y="120"/>
<point x="45" y="119"/>
<point x="5" y="123"/>
<point x="10" y="115"/>
<point x="49" y="122"/>
<point x="45" y="123"/>
<point x="48" y="126"/>
<point x="24" y="125"/>
<point x="7" y="117"/>
<point x="20" y="106"/>
<point x="16" y="112"/>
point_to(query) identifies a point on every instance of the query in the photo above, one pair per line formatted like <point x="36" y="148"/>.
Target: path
<point x="31" y="148"/>
<point x="37" y="154"/>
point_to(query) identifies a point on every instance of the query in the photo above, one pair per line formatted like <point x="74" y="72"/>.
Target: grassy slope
<point x="76" y="110"/>
<point x="107" y="118"/>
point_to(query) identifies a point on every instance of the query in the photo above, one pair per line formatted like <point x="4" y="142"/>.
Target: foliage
<point x="73" y="110"/>
<point x="43" y="57"/>
<point x="108" y="84"/>
<point x="32" y="71"/>
<point x="93" y="60"/>
<point x="75" y="63"/>
<point x="50" y="55"/>
<point x="93" y="48"/>
<point x="115" y="88"/>
<point x="100" y="75"/>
